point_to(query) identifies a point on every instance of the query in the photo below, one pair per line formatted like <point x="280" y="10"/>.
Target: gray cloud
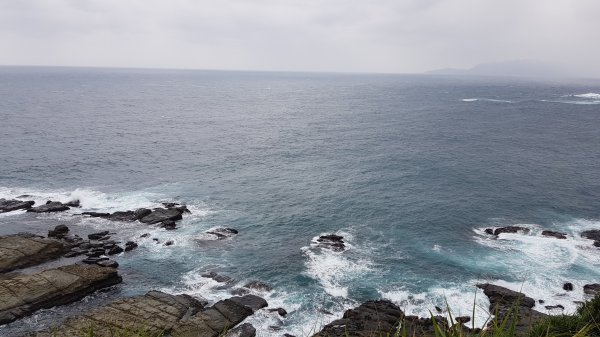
<point x="318" y="35"/>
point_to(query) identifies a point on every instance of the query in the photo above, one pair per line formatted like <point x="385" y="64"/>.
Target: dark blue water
<point x="410" y="169"/>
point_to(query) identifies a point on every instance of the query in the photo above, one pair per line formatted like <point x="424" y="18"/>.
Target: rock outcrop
<point x="22" y="295"/>
<point x="165" y="216"/>
<point x="50" y="206"/>
<point x="9" y="205"/>
<point x="332" y="241"/>
<point x="25" y="250"/>
<point x="592" y="289"/>
<point x="507" y="229"/>
<point x="593" y="234"/>
<point x="557" y="235"/>
<point x="372" y="318"/>
<point x="505" y="302"/>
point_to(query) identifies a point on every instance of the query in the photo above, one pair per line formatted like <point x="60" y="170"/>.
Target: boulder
<point x="59" y="231"/>
<point x="281" y="311"/>
<point x="258" y="286"/>
<point x="97" y="236"/>
<point x="168" y="243"/>
<point x="252" y="301"/>
<point x="130" y="245"/>
<point x="568" y="286"/>
<point x="243" y="330"/>
<point x="168" y="225"/>
<point x="217" y="277"/>
<point x="72" y="203"/>
<point x="114" y="250"/>
<point x="50" y="206"/>
<point x="504" y="303"/>
<point x="553" y="307"/>
<point x="592" y="289"/>
<point x="25" y="250"/>
<point x="22" y="295"/>
<point x="332" y="241"/>
<point x="511" y="229"/>
<point x="593" y="234"/>
<point x="9" y="205"/>
<point x="372" y="318"/>
<point x="223" y="232"/>
<point x="162" y="214"/>
<point x="557" y="235"/>
<point x="212" y="321"/>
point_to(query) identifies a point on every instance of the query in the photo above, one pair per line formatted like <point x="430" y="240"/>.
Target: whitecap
<point x="590" y="95"/>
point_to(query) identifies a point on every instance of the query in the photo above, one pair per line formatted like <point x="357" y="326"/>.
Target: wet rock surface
<point x="9" y="205"/>
<point x="593" y="234"/>
<point x="507" y="229"/>
<point x="557" y="235"/>
<point x="505" y="302"/>
<point x="21" y="295"/>
<point x="25" y="250"/>
<point x="592" y="289"/>
<point x="332" y="241"/>
<point x="50" y="206"/>
<point x="223" y="232"/>
<point x="243" y="330"/>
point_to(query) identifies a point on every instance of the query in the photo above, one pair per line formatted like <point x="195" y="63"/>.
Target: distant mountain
<point x="521" y="68"/>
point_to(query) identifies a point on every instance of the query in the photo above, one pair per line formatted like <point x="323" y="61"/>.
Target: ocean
<point x="409" y="169"/>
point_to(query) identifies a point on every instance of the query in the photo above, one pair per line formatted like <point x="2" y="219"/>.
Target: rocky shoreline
<point x="24" y="291"/>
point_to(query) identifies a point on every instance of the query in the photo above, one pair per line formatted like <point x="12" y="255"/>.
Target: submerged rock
<point x="557" y="235"/>
<point x="130" y="245"/>
<point x="592" y="289"/>
<point x="9" y="205"/>
<point x="223" y="232"/>
<point x="97" y="236"/>
<point x="50" y="206"/>
<point x="281" y="311"/>
<point x="24" y="294"/>
<point x="25" y="250"/>
<point x="217" y="277"/>
<point x="259" y="286"/>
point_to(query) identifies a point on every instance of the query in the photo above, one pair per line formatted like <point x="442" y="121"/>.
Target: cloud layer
<point x="315" y="35"/>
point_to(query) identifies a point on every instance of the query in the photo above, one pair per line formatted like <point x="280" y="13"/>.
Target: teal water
<point x="409" y="169"/>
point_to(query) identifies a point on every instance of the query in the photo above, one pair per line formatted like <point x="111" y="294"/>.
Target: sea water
<point x="410" y="169"/>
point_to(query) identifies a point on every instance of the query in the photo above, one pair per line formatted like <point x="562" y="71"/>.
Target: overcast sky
<point x="315" y="35"/>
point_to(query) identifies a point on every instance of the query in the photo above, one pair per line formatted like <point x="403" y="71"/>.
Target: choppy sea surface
<point x="409" y="169"/>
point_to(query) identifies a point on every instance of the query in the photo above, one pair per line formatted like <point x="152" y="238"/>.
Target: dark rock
<point x="568" y="286"/>
<point x="108" y="263"/>
<point x="505" y="297"/>
<point x="94" y="260"/>
<point x="332" y="241"/>
<point x="170" y="204"/>
<point x="372" y="318"/>
<point x="511" y="229"/>
<point x="104" y="238"/>
<point x="541" y="301"/>
<point x="489" y="231"/>
<point x="217" y="277"/>
<point x="58" y="231"/>
<point x="114" y="250"/>
<point x="462" y="319"/>
<point x="50" y="288"/>
<point x="168" y="225"/>
<point x="73" y="203"/>
<point x="50" y="206"/>
<point x="25" y="250"/>
<point x="130" y="245"/>
<point x="593" y="234"/>
<point x="96" y="214"/>
<point x="13" y="205"/>
<point x="168" y="243"/>
<point x="145" y="235"/>
<point x="243" y="330"/>
<point x="288" y="335"/>
<point x="551" y="307"/>
<point x="557" y="235"/>
<point x="97" y="236"/>
<point x="281" y="311"/>
<point x="259" y="286"/>
<point x="252" y="301"/>
<point x="125" y="216"/>
<point x="162" y="214"/>
<point x="438" y="309"/>
<point x="223" y="232"/>
<point x="592" y="289"/>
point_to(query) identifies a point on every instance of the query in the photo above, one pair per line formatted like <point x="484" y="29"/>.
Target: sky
<point x="388" y="36"/>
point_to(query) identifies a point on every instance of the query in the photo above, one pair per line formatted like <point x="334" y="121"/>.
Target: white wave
<point x="590" y="95"/>
<point x="334" y="270"/>
<point x="571" y="102"/>
<point x="543" y="264"/>
<point x="460" y="300"/>
<point x="486" y="100"/>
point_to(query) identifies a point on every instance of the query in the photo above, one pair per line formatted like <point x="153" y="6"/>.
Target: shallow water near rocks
<point x="410" y="170"/>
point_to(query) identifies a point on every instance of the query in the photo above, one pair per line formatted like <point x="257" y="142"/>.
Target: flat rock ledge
<point x="154" y="314"/>
<point x="26" y="250"/>
<point x="21" y="295"/>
